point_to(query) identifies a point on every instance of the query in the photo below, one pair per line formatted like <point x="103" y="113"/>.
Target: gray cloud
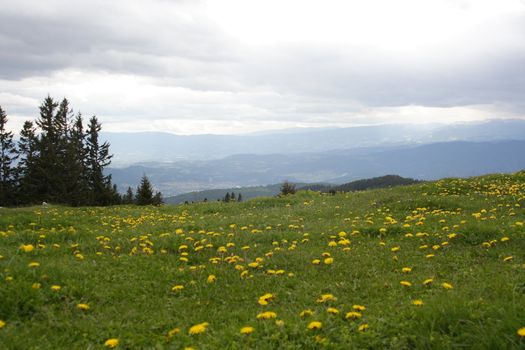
<point x="189" y="68"/>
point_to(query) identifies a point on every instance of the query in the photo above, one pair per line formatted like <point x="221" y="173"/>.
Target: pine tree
<point x="76" y="181"/>
<point x="97" y="158"/>
<point x="144" y="192"/>
<point x="287" y="188"/>
<point x="157" y="199"/>
<point x="227" y="197"/>
<point x="7" y="156"/>
<point x="48" y="167"/>
<point x="128" y="198"/>
<point x="232" y="197"/>
<point x="116" y="198"/>
<point x="239" y="197"/>
<point x="27" y="150"/>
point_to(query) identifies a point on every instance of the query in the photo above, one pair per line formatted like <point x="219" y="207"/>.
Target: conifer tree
<point x="128" y="198"/>
<point x="77" y="187"/>
<point x="157" y="199"/>
<point x="27" y="150"/>
<point x="7" y="156"/>
<point x="48" y="167"/>
<point x="287" y="188"/>
<point x="144" y="192"/>
<point x="227" y="197"/>
<point x="97" y="158"/>
<point x="239" y="197"/>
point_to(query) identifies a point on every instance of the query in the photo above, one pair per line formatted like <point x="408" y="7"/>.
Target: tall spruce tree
<point x="8" y="155"/>
<point x="144" y="192"/>
<point x="48" y="176"/>
<point x="157" y="199"/>
<point x="77" y="187"/>
<point x="65" y="167"/>
<point x="98" y="158"/>
<point x="27" y="150"/>
<point x="128" y="198"/>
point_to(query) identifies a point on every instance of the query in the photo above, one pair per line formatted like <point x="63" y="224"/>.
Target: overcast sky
<point x="235" y="66"/>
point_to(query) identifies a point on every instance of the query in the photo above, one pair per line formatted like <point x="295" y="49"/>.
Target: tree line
<point x="57" y="159"/>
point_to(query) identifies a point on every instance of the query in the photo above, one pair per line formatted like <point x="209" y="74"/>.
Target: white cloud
<point x="239" y="66"/>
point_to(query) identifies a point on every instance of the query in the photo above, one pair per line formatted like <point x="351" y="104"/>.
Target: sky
<point x="240" y="66"/>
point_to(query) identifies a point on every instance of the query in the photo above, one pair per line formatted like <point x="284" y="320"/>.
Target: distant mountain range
<point x="426" y="162"/>
<point x="130" y="148"/>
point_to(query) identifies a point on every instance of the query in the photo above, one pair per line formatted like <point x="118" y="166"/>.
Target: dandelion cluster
<point x="310" y="270"/>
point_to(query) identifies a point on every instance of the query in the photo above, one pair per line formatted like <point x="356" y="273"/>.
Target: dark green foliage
<point x="58" y="161"/>
<point x="287" y="188"/>
<point x="97" y="158"/>
<point x="27" y="150"/>
<point x="47" y="176"/>
<point x="129" y="197"/>
<point x="144" y="192"/>
<point x="7" y="156"/>
<point x="227" y="197"/>
<point x="365" y="184"/>
<point x="157" y="199"/>
<point x="76" y="181"/>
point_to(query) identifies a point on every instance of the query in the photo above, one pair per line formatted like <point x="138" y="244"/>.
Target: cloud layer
<point x="236" y="66"/>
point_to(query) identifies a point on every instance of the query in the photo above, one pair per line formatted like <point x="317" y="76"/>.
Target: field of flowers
<point x="436" y="265"/>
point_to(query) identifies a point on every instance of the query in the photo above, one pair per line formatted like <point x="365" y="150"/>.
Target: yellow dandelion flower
<point x="266" y="315"/>
<point x="328" y="261"/>
<point x="2" y="324"/>
<point x="247" y="330"/>
<point x="306" y="313"/>
<point x="33" y="264"/>
<point x="265" y="299"/>
<point x="362" y="327"/>
<point x="198" y="328"/>
<point x="27" y="248"/>
<point x="446" y="285"/>
<point x="111" y="343"/>
<point x="177" y="288"/>
<point x="428" y="281"/>
<point x="326" y="297"/>
<point x="353" y="315"/>
<point x="406" y="269"/>
<point x="405" y="283"/>
<point x="332" y="310"/>
<point x="173" y="332"/>
<point x="359" y="307"/>
<point x="508" y="258"/>
<point x="83" y="307"/>
<point x="279" y="323"/>
<point x="521" y="331"/>
<point x="211" y="279"/>
<point x="316" y="261"/>
<point x="417" y="302"/>
<point x="314" y="325"/>
<point x="55" y="288"/>
<point x="36" y="285"/>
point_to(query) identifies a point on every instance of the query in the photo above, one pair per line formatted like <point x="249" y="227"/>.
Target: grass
<point x="123" y="262"/>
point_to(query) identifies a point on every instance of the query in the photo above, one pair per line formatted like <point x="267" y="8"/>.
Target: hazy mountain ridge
<point x="425" y="162"/>
<point x="131" y="148"/>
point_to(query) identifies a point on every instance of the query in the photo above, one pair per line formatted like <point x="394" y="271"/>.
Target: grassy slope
<point x="130" y="295"/>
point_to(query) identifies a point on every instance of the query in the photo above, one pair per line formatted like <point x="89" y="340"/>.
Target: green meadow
<point x="438" y="265"/>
